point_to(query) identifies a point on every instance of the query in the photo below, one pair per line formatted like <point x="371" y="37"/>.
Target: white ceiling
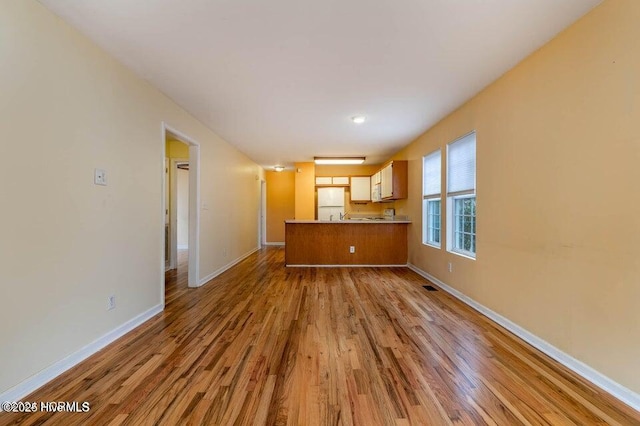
<point x="280" y="79"/>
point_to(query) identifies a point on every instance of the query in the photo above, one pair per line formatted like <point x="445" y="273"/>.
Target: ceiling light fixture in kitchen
<point x="339" y="160"/>
<point x="278" y="168"/>
<point x="358" y="119"/>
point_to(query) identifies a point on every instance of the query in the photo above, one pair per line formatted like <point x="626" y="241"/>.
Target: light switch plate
<point x="100" y="177"/>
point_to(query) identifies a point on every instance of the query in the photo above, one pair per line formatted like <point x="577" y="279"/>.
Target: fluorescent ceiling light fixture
<point x="358" y="119"/>
<point x="339" y="160"/>
<point x="278" y="168"/>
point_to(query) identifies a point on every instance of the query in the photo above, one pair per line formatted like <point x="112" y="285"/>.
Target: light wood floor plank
<point x="263" y="344"/>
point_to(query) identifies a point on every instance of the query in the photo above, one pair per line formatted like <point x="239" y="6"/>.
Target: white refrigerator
<point x="330" y="203"/>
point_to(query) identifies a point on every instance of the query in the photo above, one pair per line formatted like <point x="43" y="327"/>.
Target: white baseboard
<point x="624" y="394"/>
<point x="183" y="247"/>
<point x="346" y="266"/>
<point x="274" y="244"/>
<point x="226" y="267"/>
<point x="39" y="379"/>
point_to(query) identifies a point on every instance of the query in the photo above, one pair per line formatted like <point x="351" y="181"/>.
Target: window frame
<point x="460" y="194"/>
<point x="453" y="223"/>
<point x="431" y="176"/>
<point x="426" y="240"/>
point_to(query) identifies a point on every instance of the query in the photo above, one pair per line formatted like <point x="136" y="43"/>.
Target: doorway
<point x="179" y="190"/>
<point x="262" y="215"/>
<point x="181" y="197"/>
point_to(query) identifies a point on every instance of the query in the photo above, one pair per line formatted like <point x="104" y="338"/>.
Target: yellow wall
<point x="280" y="203"/>
<point x="69" y="108"/>
<point x="176" y="149"/>
<point x="558" y="154"/>
<point x="304" y="193"/>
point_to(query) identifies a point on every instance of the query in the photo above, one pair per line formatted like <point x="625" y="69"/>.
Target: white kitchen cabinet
<point x="332" y="180"/>
<point x="375" y="179"/>
<point x="340" y="180"/>
<point x="375" y="187"/>
<point x="386" y="181"/>
<point x="360" y="188"/>
<point x="393" y="181"/>
<point x="323" y="180"/>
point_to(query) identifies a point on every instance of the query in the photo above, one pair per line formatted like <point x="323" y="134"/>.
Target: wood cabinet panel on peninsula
<point x="380" y="242"/>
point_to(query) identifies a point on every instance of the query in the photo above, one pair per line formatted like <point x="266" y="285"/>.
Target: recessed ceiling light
<point x="339" y="160"/>
<point x="278" y="168"/>
<point x="358" y="119"/>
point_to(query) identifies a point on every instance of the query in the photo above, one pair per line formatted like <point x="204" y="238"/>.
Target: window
<point x="461" y="196"/>
<point x="431" y="168"/>
<point x="433" y="222"/>
<point x="464" y="224"/>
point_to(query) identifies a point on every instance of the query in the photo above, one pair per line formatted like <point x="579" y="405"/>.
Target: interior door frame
<point x="262" y="215"/>
<point x="194" y="204"/>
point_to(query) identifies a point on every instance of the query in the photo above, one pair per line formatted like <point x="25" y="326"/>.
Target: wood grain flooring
<point x="264" y="344"/>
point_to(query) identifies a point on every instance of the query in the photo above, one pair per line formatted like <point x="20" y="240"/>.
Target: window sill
<point x="431" y="245"/>
<point x="463" y="254"/>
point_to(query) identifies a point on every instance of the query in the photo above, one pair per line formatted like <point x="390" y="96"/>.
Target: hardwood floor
<point x="265" y="344"/>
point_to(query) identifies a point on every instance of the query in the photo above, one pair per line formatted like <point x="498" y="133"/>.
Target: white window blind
<point x="431" y="166"/>
<point x="461" y="173"/>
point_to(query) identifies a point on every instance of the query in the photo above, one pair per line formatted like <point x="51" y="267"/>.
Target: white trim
<point x="624" y="394"/>
<point x="425" y="222"/>
<point x="274" y="243"/>
<point x="194" y="215"/>
<point x="451" y="225"/>
<point x="183" y="246"/>
<point x="226" y="267"/>
<point x="347" y="266"/>
<point x="163" y="185"/>
<point x="41" y="378"/>
<point x="462" y="254"/>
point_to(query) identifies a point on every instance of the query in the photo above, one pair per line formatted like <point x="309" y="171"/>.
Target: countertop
<point x="349" y="221"/>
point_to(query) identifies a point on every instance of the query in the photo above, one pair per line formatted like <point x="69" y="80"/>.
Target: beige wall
<point x="558" y="154"/>
<point x="67" y="108"/>
<point x="281" y="188"/>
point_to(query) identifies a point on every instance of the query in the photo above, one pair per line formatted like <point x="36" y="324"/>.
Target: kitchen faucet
<point x="343" y="216"/>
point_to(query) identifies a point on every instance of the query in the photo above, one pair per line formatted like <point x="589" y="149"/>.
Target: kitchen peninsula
<point x="346" y="242"/>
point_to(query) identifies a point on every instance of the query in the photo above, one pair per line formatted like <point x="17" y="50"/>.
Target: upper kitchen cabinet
<point x="393" y="180"/>
<point x="360" y="188"/>
<point x="332" y="180"/>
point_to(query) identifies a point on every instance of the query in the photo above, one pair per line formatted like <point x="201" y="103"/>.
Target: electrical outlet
<point x="450" y="266"/>
<point x="352" y="249"/>
<point x="111" y="303"/>
<point x="224" y="252"/>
